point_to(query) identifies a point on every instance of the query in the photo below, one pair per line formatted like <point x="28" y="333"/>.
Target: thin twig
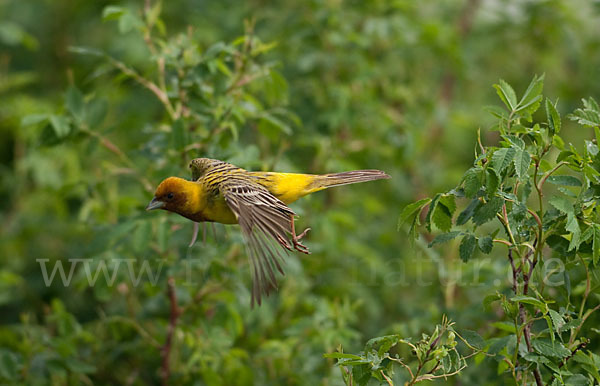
<point x="387" y="379"/>
<point x="427" y="377"/>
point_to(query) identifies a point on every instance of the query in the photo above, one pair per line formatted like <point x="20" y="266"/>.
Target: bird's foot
<point x="284" y="243"/>
<point x="298" y="245"/>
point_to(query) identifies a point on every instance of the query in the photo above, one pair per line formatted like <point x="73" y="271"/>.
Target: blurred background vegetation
<point x="301" y="86"/>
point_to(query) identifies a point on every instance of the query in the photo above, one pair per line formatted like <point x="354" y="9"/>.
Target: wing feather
<point x="265" y="221"/>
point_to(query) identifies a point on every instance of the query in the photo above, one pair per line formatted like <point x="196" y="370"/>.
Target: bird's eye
<point x="170" y="196"/>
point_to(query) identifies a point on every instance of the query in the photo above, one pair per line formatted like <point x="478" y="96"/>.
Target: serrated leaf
<point x="562" y="204"/>
<point x="432" y="206"/>
<point x="496" y="111"/>
<point x="485" y="244"/>
<point x="492" y="181"/>
<point x="550" y="349"/>
<point x="577" y="380"/>
<point x="473" y="338"/>
<point x="589" y="115"/>
<point x="449" y="201"/>
<point x="553" y="118"/>
<point x="564" y="180"/>
<point x="341" y="355"/>
<point x="502" y="158"/>
<point x="488" y="211"/>
<point x="467" y="247"/>
<point x="466" y="214"/>
<point x="521" y="161"/>
<point x="442" y="217"/>
<point x="557" y="320"/>
<point x="443" y="238"/>
<point x="573" y="227"/>
<point x="411" y="210"/>
<point x="506" y="94"/>
<point x="472" y="182"/>
<point x="532" y="97"/>
<point x="530" y="300"/>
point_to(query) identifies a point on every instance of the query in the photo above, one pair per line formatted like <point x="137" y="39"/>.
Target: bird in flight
<point x="257" y="201"/>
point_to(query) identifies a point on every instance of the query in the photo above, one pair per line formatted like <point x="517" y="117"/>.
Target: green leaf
<point x="443" y="238"/>
<point x="573" y="227"/>
<point x="112" y="12"/>
<point x="341" y="355"/>
<point x="497" y="344"/>
<point x="78" y="366"/>
<point x="75" y="103"/>
<point x="589" y="115"/>
<point x="411" y="210"/>
<point x="550" y="349"/>
<point x="10" y="365"/>
<point x="564" y="180"/>
<point x="557" y="320"/>
<point x="473" y="338"/>
<point x="522" y="160"/>
<point x="449" y="201"/>
<point x="502" y="158"/>
<point x="467" y="247"/>
<point x="553" y="118"/>
<point x="34" y="119"/>
<point x="485" y="244"/>
<point x="60" y="124"/>
<point x="489" y="299"/>
<point x="506" y="94"/>
<point x="442" y="216"/>
<point x="577" y="380"/>
<point x="532" y="98"/>
<point x="272" y="127"/>
<point x="95" y="112"/>
<point x="466" y="214"/>
<point x="530" y="300"/>
<point x="432" y="206"/>
<point x="562" y="204"/>
<point x="492" y="181"/>
<point x="86" y="51"/>
<point x="472" y="182"/>
<point x="488" y="211"/>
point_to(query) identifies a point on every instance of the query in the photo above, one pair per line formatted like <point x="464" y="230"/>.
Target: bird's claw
<point x="298" y="245"/>
<point x="284" y="243"/>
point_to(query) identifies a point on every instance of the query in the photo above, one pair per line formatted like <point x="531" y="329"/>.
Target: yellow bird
<point x="257" y="201"/>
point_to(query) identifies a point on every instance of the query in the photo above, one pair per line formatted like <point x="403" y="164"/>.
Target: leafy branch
<point x="563" y="226"/>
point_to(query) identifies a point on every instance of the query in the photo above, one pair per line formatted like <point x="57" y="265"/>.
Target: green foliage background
<point x="314" y="86"/>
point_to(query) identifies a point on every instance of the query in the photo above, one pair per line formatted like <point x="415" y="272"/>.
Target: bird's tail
<point x="345" y="178"/>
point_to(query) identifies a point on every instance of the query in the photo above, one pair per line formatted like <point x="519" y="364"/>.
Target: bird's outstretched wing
<point x="265" y="223"/>
<point x="202" y="166"/>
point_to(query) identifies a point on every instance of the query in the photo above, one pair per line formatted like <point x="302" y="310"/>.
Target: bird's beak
<point x="155" y="204"/>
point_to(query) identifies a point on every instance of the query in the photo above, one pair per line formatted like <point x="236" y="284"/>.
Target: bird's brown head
<point x="173" y="194"/>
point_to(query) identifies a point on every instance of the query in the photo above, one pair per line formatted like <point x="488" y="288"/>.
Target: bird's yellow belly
<point x="218" y="211"/>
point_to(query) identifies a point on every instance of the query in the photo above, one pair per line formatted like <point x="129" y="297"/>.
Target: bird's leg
<point x="195" y="236"/>
<point x="296" y="239"/>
